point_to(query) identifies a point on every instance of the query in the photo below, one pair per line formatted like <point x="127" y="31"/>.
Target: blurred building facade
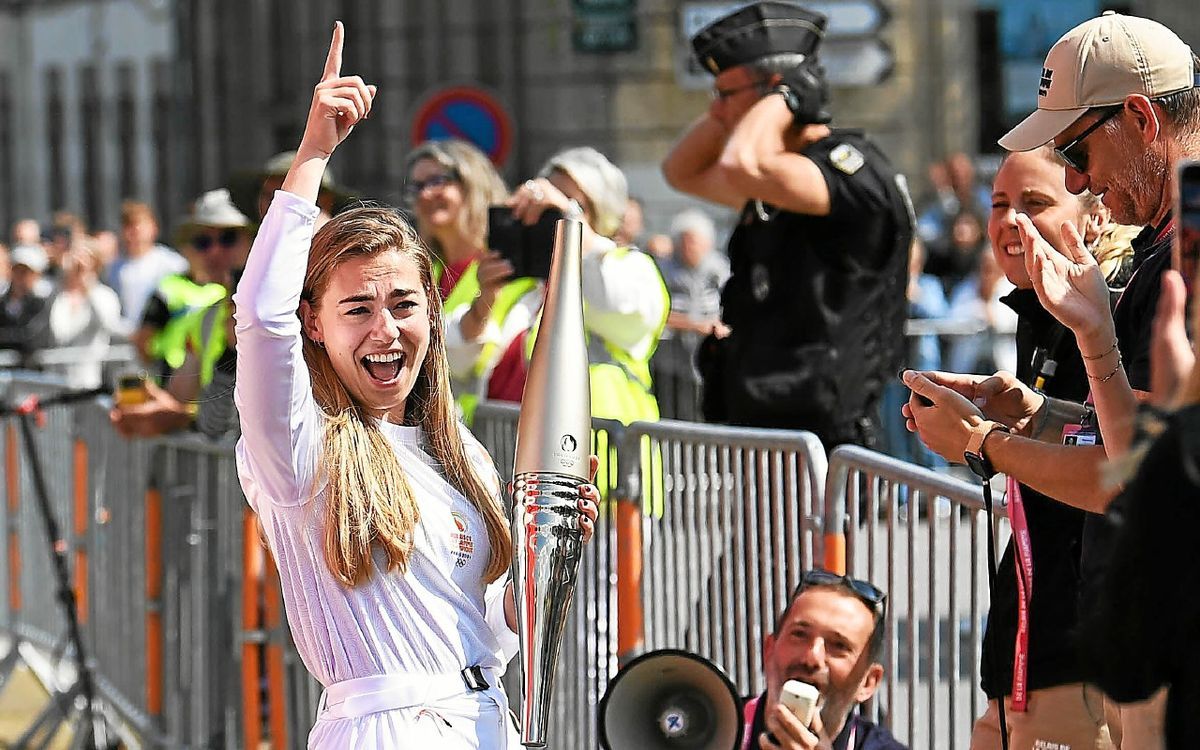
<point x="163" y="99"/>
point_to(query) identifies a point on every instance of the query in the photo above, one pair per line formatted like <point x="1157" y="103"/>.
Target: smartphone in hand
<point x="131" y="390"/>
<point x="801" y="699"/>
<point x="527" y="247"/>
<point x="923" y="400"/>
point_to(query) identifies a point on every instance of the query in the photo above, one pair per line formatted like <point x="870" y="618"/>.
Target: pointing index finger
<point x="333" y="62"/>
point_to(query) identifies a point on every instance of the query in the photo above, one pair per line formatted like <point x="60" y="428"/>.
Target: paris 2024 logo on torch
<point x="567" y="453"/>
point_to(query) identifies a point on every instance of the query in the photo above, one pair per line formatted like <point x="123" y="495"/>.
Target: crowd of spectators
<point x="81" y="292"/>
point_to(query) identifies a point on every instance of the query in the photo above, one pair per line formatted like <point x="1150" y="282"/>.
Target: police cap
<point x="757" y="31"/>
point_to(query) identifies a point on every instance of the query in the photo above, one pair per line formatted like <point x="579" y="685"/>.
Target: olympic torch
<point x="551" y="463"/>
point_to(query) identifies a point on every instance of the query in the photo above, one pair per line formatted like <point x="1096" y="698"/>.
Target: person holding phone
<point x="1119" y="103"/>
<point x="382" y="512"/>
<point x="1046" y="700"/>
<point x="625" y="298"/>
<point x="451" y="186"/>
<point x="830" y="636"/>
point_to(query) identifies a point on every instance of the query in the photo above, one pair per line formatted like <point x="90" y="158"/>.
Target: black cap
<point x="758" y="31"/>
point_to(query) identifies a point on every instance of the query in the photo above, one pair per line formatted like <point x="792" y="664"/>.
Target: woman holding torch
<point x="382" y="512"/>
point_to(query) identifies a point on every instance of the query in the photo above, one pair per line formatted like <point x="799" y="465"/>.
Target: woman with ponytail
<point x="384" y="514"/>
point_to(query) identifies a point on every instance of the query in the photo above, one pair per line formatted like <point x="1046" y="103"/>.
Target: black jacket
<point x="1143" y="630"/>
<point x="1055" y="532"/>
<point x="24" y="323"/>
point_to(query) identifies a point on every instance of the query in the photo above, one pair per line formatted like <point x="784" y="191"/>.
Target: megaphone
<point x="670" y="700"/>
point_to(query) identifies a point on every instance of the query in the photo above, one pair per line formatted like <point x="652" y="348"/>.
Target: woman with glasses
<point x="451" y="184"/>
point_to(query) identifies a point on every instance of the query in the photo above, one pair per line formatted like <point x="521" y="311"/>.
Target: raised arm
<point x="281" y="425"/>
<point x="1072" y="288"/>
<point x="757" y="162"/>
<point x="691" y="165"/>
<point x="339" y="103"/>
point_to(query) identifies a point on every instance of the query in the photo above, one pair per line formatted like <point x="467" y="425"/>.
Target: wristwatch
<point x="973" y="455"/>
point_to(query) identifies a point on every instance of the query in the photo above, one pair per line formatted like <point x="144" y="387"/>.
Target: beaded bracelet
<point x="1109" y="376"/>
<point x="1101" y="356"/>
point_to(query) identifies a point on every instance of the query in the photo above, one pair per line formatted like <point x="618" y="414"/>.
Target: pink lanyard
<point x="1024" y="570"/>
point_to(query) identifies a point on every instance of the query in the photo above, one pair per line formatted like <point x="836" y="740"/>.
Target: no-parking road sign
<point x="468" y="113"/>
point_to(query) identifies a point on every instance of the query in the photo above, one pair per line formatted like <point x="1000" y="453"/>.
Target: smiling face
<point x="1125" y="165"/>
<point x="372" y="319"/>
<point x="824" y="641"/>
<point x="439" y="198"/>
<point x="1030" y="183"/>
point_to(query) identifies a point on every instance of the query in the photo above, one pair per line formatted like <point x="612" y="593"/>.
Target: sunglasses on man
<point x="226" y="238"/>
<point x="1072" y="153"/>
<point x="866" y="592"/>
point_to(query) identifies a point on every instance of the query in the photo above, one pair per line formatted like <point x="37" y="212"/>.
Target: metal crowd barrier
<point x="64" y="361"/>
<point x="740" y="520"/>
<point x="919" y="535"/>
<point x="703" y="534"/>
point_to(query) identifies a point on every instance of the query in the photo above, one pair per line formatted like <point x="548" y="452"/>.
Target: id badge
<point x="1087" y="432"/>
<point x="1077" y="434"/>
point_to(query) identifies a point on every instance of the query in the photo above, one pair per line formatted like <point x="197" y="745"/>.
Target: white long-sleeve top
<point x="623" y="298"/>
<point x="437" y="617"/>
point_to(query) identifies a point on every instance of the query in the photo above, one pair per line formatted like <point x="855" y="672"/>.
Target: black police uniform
<point x="816" y="304"/>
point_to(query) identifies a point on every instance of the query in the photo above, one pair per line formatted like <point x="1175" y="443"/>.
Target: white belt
<point x="350" y="699"/>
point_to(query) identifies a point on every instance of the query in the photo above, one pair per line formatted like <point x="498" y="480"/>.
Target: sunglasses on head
<point x="226" y="238"/>
<point x="867" y="592"/>
<point x="1072" y="153"/>
<point x="414" y="188"/>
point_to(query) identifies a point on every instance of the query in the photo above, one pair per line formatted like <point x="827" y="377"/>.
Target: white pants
<point x="463" y="720"/>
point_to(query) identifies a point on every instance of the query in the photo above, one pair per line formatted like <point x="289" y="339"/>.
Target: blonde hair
<point x="370" y="501"/>
<point x="1112" y="248"/>
<point x="481" y="184"/>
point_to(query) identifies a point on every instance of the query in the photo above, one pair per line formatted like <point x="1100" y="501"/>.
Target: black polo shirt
<point x="816" y="304"/>
<point x="1055" y="531"/>
<point x="1134" y="322"/>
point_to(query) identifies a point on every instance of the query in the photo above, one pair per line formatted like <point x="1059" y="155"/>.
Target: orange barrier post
<point x="80" y="471"/>
<point x="154" y="628"/>
<point x="252" y="569"/>
<point x="12" y="469"/>
<point x="272" y="618"/>
<point x="630" y="634"/>
<point x="835" y="552"/>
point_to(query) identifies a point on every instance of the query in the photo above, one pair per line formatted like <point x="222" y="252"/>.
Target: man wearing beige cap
<point x="1118" y="102"/>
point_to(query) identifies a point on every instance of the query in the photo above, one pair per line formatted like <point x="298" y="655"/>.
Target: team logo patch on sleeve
<point x="847" y="158"/>
<point x="462" y="540"/>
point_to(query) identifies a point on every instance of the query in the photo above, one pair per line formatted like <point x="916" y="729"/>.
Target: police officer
<point x="815" y="303"/>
